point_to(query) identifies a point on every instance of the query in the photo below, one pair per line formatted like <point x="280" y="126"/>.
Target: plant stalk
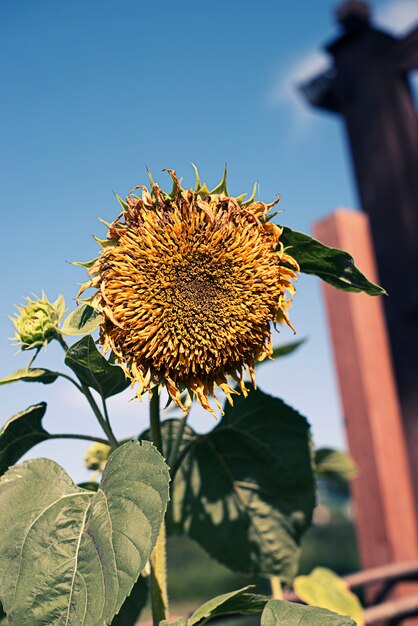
<point x="62" y="341"/>
<point x="103" y="423"/>
<point x="158" y="560"/>
<point x="106" y="442"/>
<point x="276" y="588"/>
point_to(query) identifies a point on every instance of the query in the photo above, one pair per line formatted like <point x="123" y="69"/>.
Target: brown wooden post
<point x="383" y="492"/>
<point x="367" y="85"/>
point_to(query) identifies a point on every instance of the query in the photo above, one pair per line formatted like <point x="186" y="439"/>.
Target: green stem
<point x="103" y="423"/>
<point x="106" y="415"/>
<point x="74" y="382"/>
<point x="62" y="341"/>
<point x="155" y="421"/>
<point x="276" y="588"/>
<point x="83" y="437"/>
<point x="158" y="578"/>
<point x="34" y="357"/>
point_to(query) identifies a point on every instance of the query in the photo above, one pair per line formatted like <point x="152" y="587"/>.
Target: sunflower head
<point x="37" y="322"/>
<point x="188" y="284"/>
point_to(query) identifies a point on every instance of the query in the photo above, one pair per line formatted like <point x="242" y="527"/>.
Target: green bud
<point x="37" y="322"/>
<point x="96" y="456"/>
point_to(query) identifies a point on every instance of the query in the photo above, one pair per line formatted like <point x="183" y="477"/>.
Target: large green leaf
<point x="325" y="589"/>
<point x="335" y="464"/>
<point x="235" y="602"/>
<point x="20" y="433"/>
<point x="82" y="321"/>
<point x="94" y="370"/>
<point x="282" y="613"/>
<point x="245" y="491"/>
<point x="68" y="556"/>
<point x="232" y="603"/>
<point x="334" y="266"/>
<point x="28" y="375"/>
<point x="133" y="605"/>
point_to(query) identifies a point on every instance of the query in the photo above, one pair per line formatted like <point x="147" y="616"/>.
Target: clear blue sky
<point x="95" y="90"/>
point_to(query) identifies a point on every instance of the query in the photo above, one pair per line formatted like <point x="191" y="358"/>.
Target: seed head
<point x="189" y="284"/>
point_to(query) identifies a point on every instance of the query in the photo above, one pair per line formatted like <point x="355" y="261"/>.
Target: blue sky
<point x="95" y="90"/>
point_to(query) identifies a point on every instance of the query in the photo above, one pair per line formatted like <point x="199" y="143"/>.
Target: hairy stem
<point x="33" y="358"/>
<point x="74" y="382"/>
<point x="276" y="588"/>
<point x="155" y="421"/>
<point x="106" y="442"/>
<point x="106" y="415"/>
<point x="62" y="341"/>
<point x="102" y="421"/>
<point x="158" y="579"/>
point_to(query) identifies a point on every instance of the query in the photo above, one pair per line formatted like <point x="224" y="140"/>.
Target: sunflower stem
<point x="74" y="382"/>
<point x="33" y="358"/>
<point x="158" y="578"/>
<point x="107" y="419"/>
<point x="155" y="421"/>
<point x="62" y="341"/>
<point x="106" y="442"/>
<point x="103" y="423"/>
<point x="276" y="588"/>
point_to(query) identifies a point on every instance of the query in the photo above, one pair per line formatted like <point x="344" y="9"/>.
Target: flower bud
<point x="96" y="456"/>
<point x="37" y="322"/>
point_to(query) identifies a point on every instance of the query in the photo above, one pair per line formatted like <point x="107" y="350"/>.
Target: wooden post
<point x="383" y="492"/>
<point x="367" y="85"/>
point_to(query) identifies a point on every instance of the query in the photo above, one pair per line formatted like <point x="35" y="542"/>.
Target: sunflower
<point x="188" y="284"/>
<point x="37" y="322"/>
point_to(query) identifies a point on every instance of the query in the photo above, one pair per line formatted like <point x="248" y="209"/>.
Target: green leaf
<point x="235" y="602"/>
<point x="93" y="370"/>
<point x="70" y="556"/>
<point x="82" y="321"/>
<point x="21" y="433"/>
<point x="245" y="491"/>
<point x="180" y="621"/>
<point x="30" y="376"/>
<point x="243" y="604"/>
<point x="325" y="589"/>
<point x="282" y="613"/>
<point x="334" y="266"/>
<point x="133" y="605"/>
<point x="284" y="350"/>
<point x="89" y="485"/>
<point x="335" y="464"/>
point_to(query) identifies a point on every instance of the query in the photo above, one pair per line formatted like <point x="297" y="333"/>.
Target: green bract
<point x="37" y="322"/>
